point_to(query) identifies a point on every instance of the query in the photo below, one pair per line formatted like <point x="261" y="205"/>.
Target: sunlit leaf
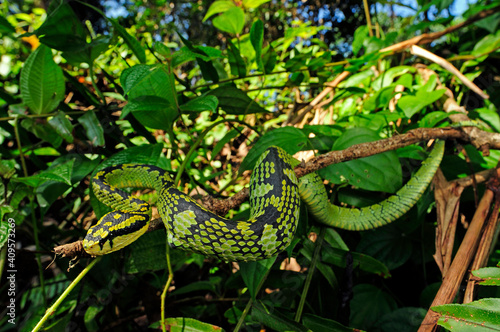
<point x="42" y="82"/>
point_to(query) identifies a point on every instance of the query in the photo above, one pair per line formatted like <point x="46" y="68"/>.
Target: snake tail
<point x="131" y="217"/>
<point x="274" y="213"/>
<point x="313" y="193"/>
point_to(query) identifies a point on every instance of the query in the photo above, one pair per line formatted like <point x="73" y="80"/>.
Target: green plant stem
<point x="63" y="296"/>
<point x="92" y="79"/>
<point x="250" y="303"/>
<point x="19" y="146"/>
<point x="46" y="115"/>
<point x="38" y="250"/>
<point x="3" y="256"/>
<point x="310" y="274"/>
<point x="167" y="285"/>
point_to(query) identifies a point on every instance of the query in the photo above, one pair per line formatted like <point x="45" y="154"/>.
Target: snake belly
<point x="274" y="212"/>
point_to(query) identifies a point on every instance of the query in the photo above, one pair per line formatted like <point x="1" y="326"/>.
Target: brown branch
<point x="452" y="280"/>
<point x="427" y="38"/>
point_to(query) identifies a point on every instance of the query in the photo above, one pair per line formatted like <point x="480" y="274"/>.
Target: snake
<point x="275" y="199"/>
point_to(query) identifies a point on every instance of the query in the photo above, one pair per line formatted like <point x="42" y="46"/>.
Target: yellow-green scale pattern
<point x="131" y="217"/>
<point x="274" y="212"/>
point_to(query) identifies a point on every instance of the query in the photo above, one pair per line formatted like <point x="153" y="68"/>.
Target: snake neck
<point x="107" y="183"/>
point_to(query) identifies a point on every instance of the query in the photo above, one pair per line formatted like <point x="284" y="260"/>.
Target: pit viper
<point x="275" y="195"/>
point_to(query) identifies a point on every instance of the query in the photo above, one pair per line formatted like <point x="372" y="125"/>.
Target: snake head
<point x="115" y="231"/>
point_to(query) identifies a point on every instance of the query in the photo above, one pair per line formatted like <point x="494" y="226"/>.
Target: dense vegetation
<point x="201" y="89"/>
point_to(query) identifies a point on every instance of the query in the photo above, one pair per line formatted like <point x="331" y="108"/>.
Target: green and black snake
<point x="275" y="194"/>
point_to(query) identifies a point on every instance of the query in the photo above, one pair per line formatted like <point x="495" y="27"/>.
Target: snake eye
<point x="115" y="231"/>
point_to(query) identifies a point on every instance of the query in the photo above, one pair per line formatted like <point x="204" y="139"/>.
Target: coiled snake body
<point x="275" y="194"/>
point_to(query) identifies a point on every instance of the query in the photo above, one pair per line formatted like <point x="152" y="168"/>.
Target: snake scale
<point x="275" y="194"/>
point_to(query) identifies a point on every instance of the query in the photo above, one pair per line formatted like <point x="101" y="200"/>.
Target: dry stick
<point x="330" y="86"/>
<point x="484" y="249"/>
<point x="447" y="196"/>
<point x="416" y="50"/>
<point x="429" y="37"/>
<point x="452" y="280"/>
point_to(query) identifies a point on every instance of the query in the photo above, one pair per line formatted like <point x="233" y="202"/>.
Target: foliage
<point x="203" y="102"/>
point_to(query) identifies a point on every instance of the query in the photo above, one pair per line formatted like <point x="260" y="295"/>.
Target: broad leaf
<point x="257" y="39"/>
<point x="93" y="128"/>
<point x="481" y="315"/>
<point x="183" y="324"/>
<point x="152" y="111"/>
<point x="320" y="324"/>
<point x="231" y="21"/>
<point x="42" y="82"/>
<point x="62" y="30"/>
<point x="291" y="139"/>
<point x="200" y="104"/>
<point x="217" y="7"/>
<point x="59" y="173"/>
<point x="234" y="101"/>
<point x="490" y="276"/>
<point x="370" y="173"/>
<point x="271" y="318"/>
<point x="253" y="273"/>
<point x="62" y="126"/>
<point x="368" y="304"/>
<point x="236" y="62"/>
<point x="149" y="80"/>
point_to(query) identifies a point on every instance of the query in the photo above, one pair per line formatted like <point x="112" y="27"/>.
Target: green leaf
<point x="481" y="315"/>
<point x="274" y="320"/>
<point x="195" y="287"/>
<point x="320" y="324"/>
<point x="360" y="35"/>
<point x="490" y="276"/>
<point x="368" y="304"/>
<point x="236" y="62"/>
<point x="183" y="324"/>
<point x="291" y="139"/>
<point x="337" y="257"/>
<point x="234" y="101"/>
<point x="253" y="273"/>
<point x="5" y="26"/>
<point x="201" y="104"/>
<point x="43" y="131"/>
<point x="42" y="82"/>
<point x="370" y="173"/>
<point x="149" y="80"/>
<point x="402" y="320"/>
<point x="324" y="269"/>
<point x="269" y="59"/>
<point x="62" y="30"/>
<point x="257" y="39"/>
<point x="62" y="126"/>
<point x="411" y="105"/>
<point x="152" y="111"/>
<point x="231" y="21"/>
<point x="217" y="7"/>
<point x="93" y="128"/>
<point x="132" y="42"/>
<point x="253" y="3"/>
<point x="4" y="225"/>
<point x="59" y="173"/>
<point x="389" y="245"/>
<point x="226" y="139"/>
<point x="88" y="52"/>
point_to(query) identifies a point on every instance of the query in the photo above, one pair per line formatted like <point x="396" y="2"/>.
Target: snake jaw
<point x="115" y="231"/>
